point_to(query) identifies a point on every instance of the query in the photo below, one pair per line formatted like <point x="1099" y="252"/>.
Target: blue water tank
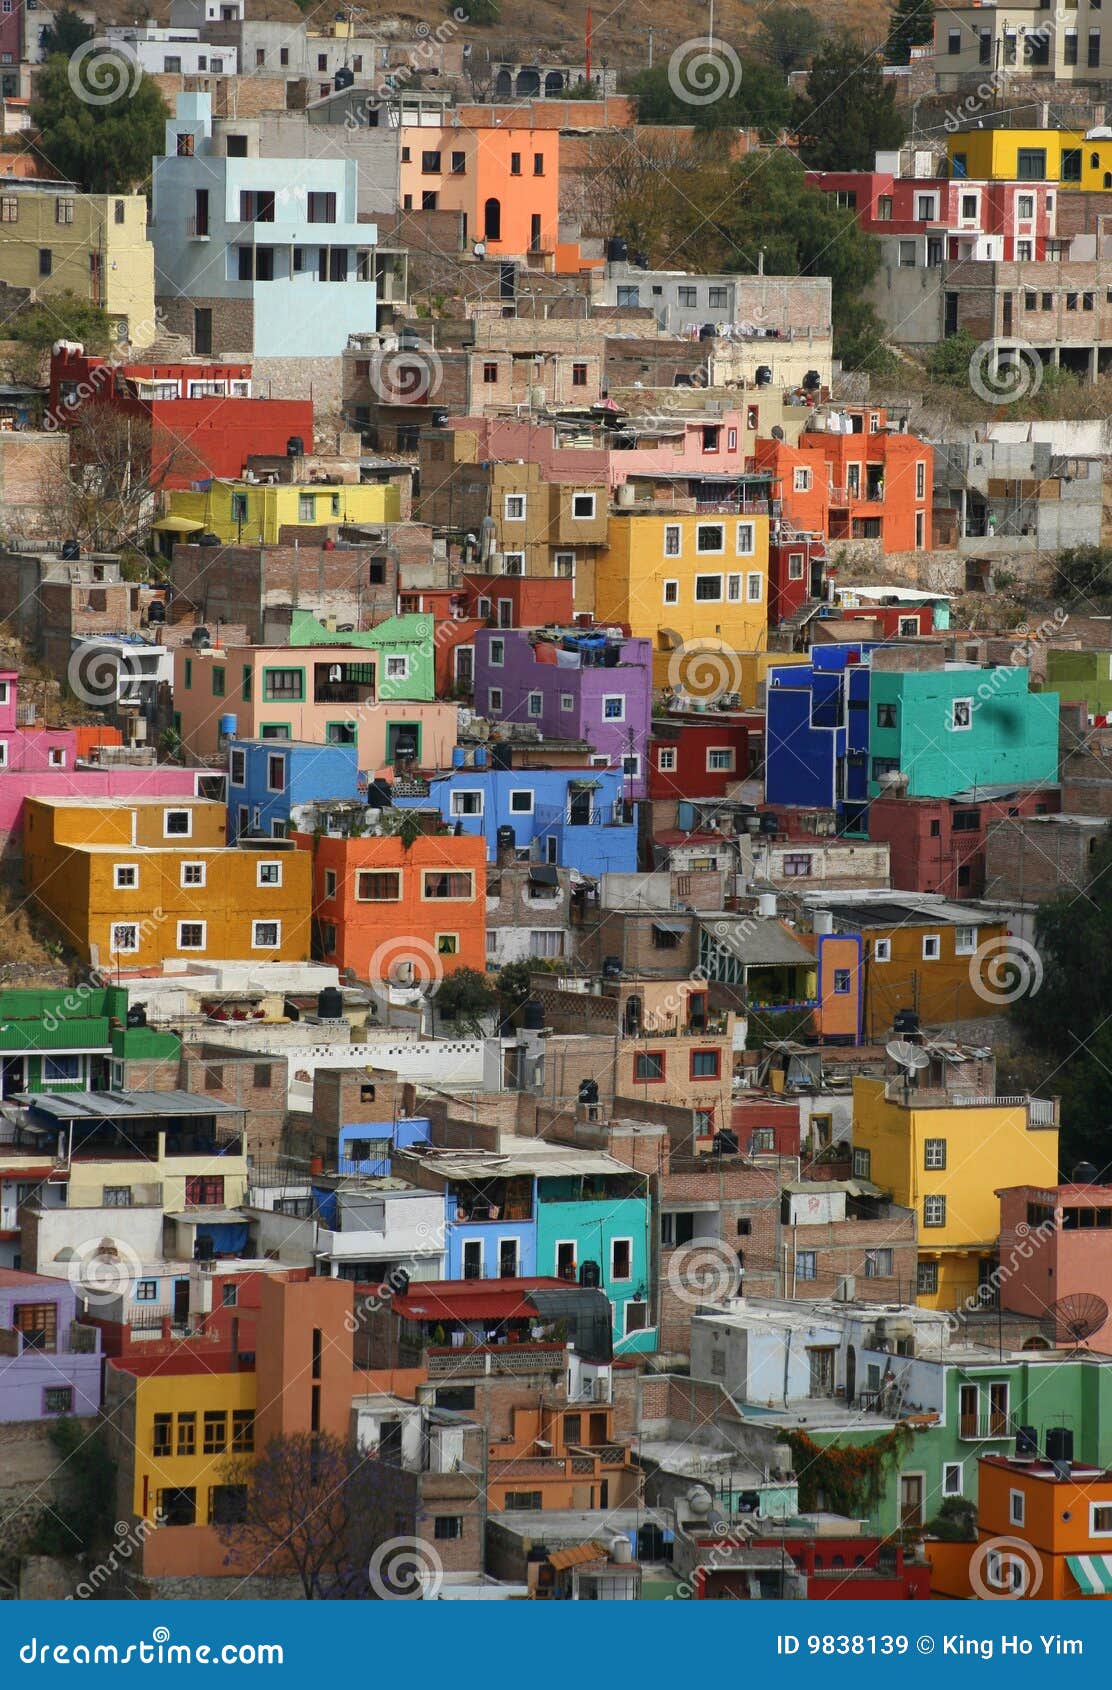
<point x="459" y="757"/>
<point x="480" y="756"/>
<point x="227" y="727"/>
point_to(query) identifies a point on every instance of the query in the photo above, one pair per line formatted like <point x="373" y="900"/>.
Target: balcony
<point x="485" y="1360"/>
<point x="977" y="1428"/>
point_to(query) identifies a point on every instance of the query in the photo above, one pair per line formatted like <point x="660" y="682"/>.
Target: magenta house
<point x="588" y="684"/>
<point x="45" y="761"/>
<point x="50" y="1368"/>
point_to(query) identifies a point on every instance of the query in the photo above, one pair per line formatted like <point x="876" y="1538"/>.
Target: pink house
<point x="1056" y="1242"/>
<point x="45" y="761"/>
<point x="680" y="445"/>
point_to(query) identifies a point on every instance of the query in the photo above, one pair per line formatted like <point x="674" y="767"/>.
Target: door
<point x="202" y="331"/>
<point x="473" y="1259"/>
<point x="998" y="1409"/>
<point x="12" y="1078"/>
<point x="579" y="808"/>
<point x="851" y="1374"/>
<point x="967" y="1411"/>
<point x="507" y="1258"/>
<point x="465" y="667"/>
<point x="822" y="1372"/>
<point x="181" y="1301"/>
<point x="401" y="742"/>
<point x="911" y="1500"/>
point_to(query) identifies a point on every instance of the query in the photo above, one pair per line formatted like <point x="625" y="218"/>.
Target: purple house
<point x="49" y="1368"/>
<point x="588" y="684"/>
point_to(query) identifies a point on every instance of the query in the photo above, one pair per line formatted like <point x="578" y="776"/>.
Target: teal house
<point x="600" y="1221"/>
<point x="943" y="731"/>
<point x="405" y="650"/>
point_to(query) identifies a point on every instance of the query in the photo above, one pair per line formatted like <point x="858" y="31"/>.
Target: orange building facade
<point x="407" y="915"/>
<point x="870" y="483"/>
<point x="562" y="1458"/>
<point x="504" y="182"/>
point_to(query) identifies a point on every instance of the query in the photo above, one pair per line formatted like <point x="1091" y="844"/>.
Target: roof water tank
<point x="766" y="905"/>
<point x="343" y="77"/>
<point x="532" y="1015"/>
<point x="763" y="375"/>
<point x="156" y="611"/>
<point x="617" y="250"/>
<point x="330" y="1004"/>
<point x="295" y="446"/>
<point x="621" y="1551"/>
<point x="588" y="1091"/>
<point x="227" y="727"/>
<point x="1059" y="1443"/>
<point x="200" y="638"/>
<point x="70" y="549"/>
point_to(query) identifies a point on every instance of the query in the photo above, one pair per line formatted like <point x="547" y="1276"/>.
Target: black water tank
<point x="330" y="1004"/>
<point x="1085" y="1174"/>
<point x="156" y="611"/>
<point x="295" y="446"/>
<point x="763" y="375"/>
<point x="708" y="332"/>
<point x="611" y="654"/>
<point x="611" y="967"/>
<point x="770" y="823"/>
<point x="617" y="250"/>
<point x="1026" y="1440"/>
<point x="137" y="1016"/>
<point x="532" y="1015"/>
<point x="71" y="549"/>
<point x="506" y="837"/>
<point x="207" y="539"/>
<point x="812" y="381"/>
<point x="589" y="1275"/>
<point x="725" y="1143"/>
<point x="1059" y="1444"/>
<point x="588" y="1091"/>
<point x="905" y="1021"/>
<point x="343" y="77"/>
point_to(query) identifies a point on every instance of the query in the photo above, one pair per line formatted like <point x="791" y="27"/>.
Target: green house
<point x="936" y="732"/>
<point x="72" y="1038"/>
<point x="405" y="667"/>
<point x="1082" y="677"/>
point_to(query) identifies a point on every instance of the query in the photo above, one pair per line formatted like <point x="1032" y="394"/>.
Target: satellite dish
<point x="1081" y="1314"/>
<point x="479" y="249"/>
<point x="908" y="1056"/>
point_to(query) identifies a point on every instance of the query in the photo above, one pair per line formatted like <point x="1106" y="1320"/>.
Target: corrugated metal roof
<point x="116" y="1105"/>
<point x="582" y="1552"/>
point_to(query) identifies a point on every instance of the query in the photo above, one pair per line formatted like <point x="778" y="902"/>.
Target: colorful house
<point x="51" y="1364"/>
<point x="853" y="477"/>
<point x="268" y="778"/>
<point x="693" y="754"/>
<point x="254" y="513"/>
<point x="1056" y="1242"/>
<point x="396" y="912"/>
<point x="592" y="686"/>
<point x="132" y="884"/>
<point x="321" y="695"/>
<point x="697" y="587"/>
<point x="1065" y="156"/>
<point x="938" y="1154"/>
<point x="583" y="817"/>
<point x="504" y="183"/>
<point x="817" y="733"/>
<point x="1082" y="676"/>
<point x="938" y="844"/>
<point x="403" y="648"/>
<point x="942" y="731"/>
<point x="57" y="241"/>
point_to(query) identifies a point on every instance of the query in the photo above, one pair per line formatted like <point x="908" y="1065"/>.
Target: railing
<point x="732" y="507"/>
<point x="1041" y="1111"/>
<point x="978" y="1427"/>
<point x="473" y="1363"/>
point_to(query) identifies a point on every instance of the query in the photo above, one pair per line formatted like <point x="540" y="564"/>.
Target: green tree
<point x="788" y="37"/>
<point x="84" y="1486"/>
<point x="948" y="362"/>
<point x="758" y="100"/>
<point x="465" y="996"/>
<point x="62" y="317"/>
<point x="911" y="25"/>
<point x="1083" y="571"/>
<point x="848" y="111"/>
<point x="66" y="34"/>
<point x="476" y="11"/>
<point x="104" y="148"/>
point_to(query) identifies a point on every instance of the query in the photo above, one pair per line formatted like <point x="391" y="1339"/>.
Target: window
<point x="322" y="208"/>
<point x="687" y="297"/>
<point x="215" y="1425"/>
<point x="430" y="163"/>
<point x="546" y="942"/>
<point x="283" y="685"/>
<point x="754" y="587"/>
<point x="705" y="1064"/>
<point x="932" y="947"/>
<point x="613" y="707"/>
<point x="796" y="864"/>
<point x="243" y="1425"/>
<point x="162" y="1434"/>
<point x="648" y="1066"/>
<point x="720" y="758"/>
<point x="579" y="375"/>
<point x="671" y="592"/>
<point x="1093" y="60"/>
<point x="276" y="774"/>
<point x="745" y="543"/>
<point x="237" y="772"/>
<point x="583" y="506"/>
<point x="453" y="887"/>
<point x="708" y="588"/>
<point x="187" y="1434"/>
<point x="268" y="874"/>
<point x="953" y="41"/>
<point x="563" y="566"/>
<point x="666" y="759"/>
<point x="459" y="164"/>
<point x="514" y="510"/>
<point x="1017" y="1507"/>
<point x="842" y="981"/>
<point x="965" y="941"/>
<point x="886" y="715"/>
<point x="926" y="1279"/>
<point x="801" y="480"/>
<point x="191" y="935"/>
<point x="46" y="261"/>
<point x="934" y="1153"/>
<point x="117" y="1196"/>
<point x="378" y="886"/>
<point x="146" y="1290"/>
<point x="446" y="1527"/>
<point x="494" y="698"/>
<point x="952" y="1478"/>
<point x="806" y="1264"/>
<point x="177" y="824"/>
<point x="621" y="1258"/>
<point x="193" y="874"/>
<point x="672" y="533"/>
<point x="125" y="876"/>
<point x="266" y="935"/>
<point x="878" y="1264"/>
<point x="1100" y="1519"/>
<point x="9" y="209"/>
<point x="934" y="1211"/>
<point x="882" y="950"/>
<point x="710" y="537"/>
<point x="124" y="938"/>
<point x="490" y="374"/>
<point x="521" y="801"/>
<point x="330" y="883"/>
<point x="497" y="653"/>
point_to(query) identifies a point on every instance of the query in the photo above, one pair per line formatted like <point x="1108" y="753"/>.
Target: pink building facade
<point x="1056" y="1242"/>
<point x="708" y="444"/>
<point x="1005" y="221"/>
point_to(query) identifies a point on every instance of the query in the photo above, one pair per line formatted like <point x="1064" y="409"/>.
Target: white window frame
<point x="193" y="885"/>
<point x="882" y="950"/>
<point x="191" y="921"/>
<point x="1093" y="1532"/>
<point x="801" y="479"/>
<point x="721" y="751"/>
<point x="256" y="945"/>
<point x="175" y="811"/>
<point x="123" y="950"/>
<point x="708" y="577"/>
<point x="567" y="701"/>
<point x="534" y="705"/>
<point x="520" y="792"/>
<point x="932" y="947"/>
<point x="494" y="698"/>
<point x="612" y="1278"/>
<point x="754" y="587"/>
<point x="1017" y="1508"/>
<point x="614" y="698"/>
<point x="498" y="662"/>
<point x="275" y="756"/>
<point x="949" y="1468"/>
<point x="459" y="814"/>
<point x="513" y="564"/>
<point x="270" y="862"/>
<point x="329" y="883"/>
<point x="929" y="1201"/>
<point x="400" y="673"/>
<point x="510" y="513"/>
<point x="796" y="566"/>
<point x="968" y="946"/>
<point x="709" y="551"/>
<point x="934" y="1162"/>
<point x="583" y="498"/>
<point x="956" y="726"/>
<point x="733" y="588"/>
<point x="746" y="543"/>
<point x="671" y="591"/>
<point x="119" y="885"/>
<point x="237" y="768"/>
<point x="669" y="752"/>
<point x="560" y="565"/>
<point x="56" y="757"/>
<point x="673" y="531"/>
<point x="3" y="753"/>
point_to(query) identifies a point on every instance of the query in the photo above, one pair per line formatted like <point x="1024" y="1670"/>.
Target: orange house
<point x="562" y="1458"/>
<point x="1045" y="1533"/>
<point x="402" y="914"/>
<point x="504" y="182"/>
<point x="861" y="482"/>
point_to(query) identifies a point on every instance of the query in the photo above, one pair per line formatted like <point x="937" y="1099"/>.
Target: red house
<point x="519" y="601"/>
<point x="796" y="570"/>
<point x="766" y="1126"/>
<point x="693" y="755"/>
<point x="851" y="477"/>
<point x="938" y="844"/>
<point x="834" y="1569"/>
<point x="204" y="423"/>
<point x="949" y="216"/>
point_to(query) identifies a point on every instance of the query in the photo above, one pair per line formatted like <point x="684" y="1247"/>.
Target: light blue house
<point x="574" y="818"/>
<point x="368" y="1147"/>
<point x="267" y="778"/>
<point x="264" y="257"/>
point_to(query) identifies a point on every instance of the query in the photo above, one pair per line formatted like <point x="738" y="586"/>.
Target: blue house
<point x="570" y="817"/>
<point x="367" y="1147"/>
<point x="817" y="733"/>
<point x="267" y="778"/>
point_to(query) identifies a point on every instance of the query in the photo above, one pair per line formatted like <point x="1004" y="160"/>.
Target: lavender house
<point x="573" y="684"/>
<point x="49" y="1367"/>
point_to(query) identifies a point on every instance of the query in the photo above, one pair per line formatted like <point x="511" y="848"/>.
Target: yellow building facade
<point x="92" y="245"/>
<point x="254" y="513"/>
<point x="189" y="1428"/>
<point x="946" y="1161"/>
<point x="134" y="883"/>
<point x="697" y="586"/>
<point x="1032" y="155"/>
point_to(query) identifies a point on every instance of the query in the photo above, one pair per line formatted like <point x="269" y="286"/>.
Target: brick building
<point x="940" y="844"/>
<point x="1033" y="858"/>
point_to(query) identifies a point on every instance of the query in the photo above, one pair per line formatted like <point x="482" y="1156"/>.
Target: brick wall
<point x="1032" y="860"/>
<point x="233" y="327"/>
<point x="257" y="1084"/>
<point x="31" y="465"/>
<point x="245" y="580"/>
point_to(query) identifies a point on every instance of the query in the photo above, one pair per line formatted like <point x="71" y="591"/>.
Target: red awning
<point x="464" y="1299"/>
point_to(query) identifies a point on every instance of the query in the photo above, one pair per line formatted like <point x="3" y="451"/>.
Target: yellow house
<point x="697" y="586"/>
<point x="1031" y="155"/>
<point x="93" y="245"/>
<point x="945" y="1160"/>
<point x="133" y="883"/>
<point x="254" y="512"/>
<point x="186" y="1429"/>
